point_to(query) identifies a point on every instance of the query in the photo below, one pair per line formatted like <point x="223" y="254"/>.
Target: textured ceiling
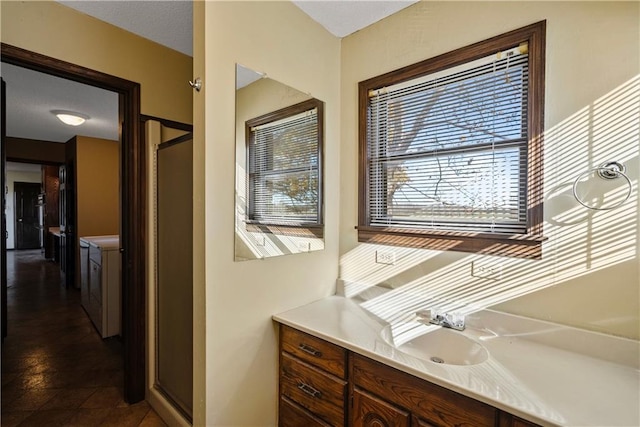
<point x="245" y="76"/>
<point x="169" y="22"/>
<point x="342" y="18"/>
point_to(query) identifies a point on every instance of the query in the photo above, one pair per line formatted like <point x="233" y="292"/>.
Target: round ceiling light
<point x="70" y="118"/>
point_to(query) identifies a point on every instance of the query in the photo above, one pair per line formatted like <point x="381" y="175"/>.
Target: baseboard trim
<point x="165" y="410"/>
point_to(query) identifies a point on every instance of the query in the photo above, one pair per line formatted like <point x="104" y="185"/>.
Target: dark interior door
<point x="28" y="233"/>
<point x="3" y="236"/>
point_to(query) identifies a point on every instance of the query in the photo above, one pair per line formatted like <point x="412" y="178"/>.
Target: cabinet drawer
<point x="314" y="350"/>
<point x="292" y="415"/>
<point x="433" y="404"/>
<point x="320" y="393"/>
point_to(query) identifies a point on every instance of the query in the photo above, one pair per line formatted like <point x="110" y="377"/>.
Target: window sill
<point x="518" y="245"/>
<point x="310" y="231"/>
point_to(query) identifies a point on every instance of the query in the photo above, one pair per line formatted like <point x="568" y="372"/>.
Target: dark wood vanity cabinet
<point x="430" y="405"/>
<point x="313" y="386"/>
<point x="508" y="420"/>
<point x="322" y="384"/>
<point x="370" y="411"/>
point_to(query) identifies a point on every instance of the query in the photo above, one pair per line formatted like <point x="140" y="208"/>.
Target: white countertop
<point x="546" y="373"/>
<point x="110" y="242"/>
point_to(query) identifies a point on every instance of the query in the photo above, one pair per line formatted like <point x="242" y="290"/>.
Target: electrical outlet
<point x="386" y="257"/>
<point x="303" y="246"/>
<point x="486" y="270"/>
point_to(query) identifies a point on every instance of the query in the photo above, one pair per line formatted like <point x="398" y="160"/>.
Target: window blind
<point x="448" y="151"/>
<point x="284" y="170"/>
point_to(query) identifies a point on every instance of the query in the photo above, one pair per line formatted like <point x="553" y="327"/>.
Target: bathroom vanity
<point x="324" y="384"/>
<point x="341" y="366"/>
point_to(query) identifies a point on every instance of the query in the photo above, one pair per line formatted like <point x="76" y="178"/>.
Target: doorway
<point x="132" y="210"/>
<point x="28" y="218"/>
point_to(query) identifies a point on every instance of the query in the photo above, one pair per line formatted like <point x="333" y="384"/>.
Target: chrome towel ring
<point x="607" y="170"/>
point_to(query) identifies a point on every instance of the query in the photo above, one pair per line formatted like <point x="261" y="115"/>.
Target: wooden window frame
<point x="303" y="229"/>
<point x="527" y="245"/>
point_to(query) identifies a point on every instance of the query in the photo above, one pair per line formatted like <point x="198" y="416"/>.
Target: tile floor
<point x="56" y="370"/>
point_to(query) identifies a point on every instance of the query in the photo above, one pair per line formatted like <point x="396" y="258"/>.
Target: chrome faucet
<point x="447" y="320"/>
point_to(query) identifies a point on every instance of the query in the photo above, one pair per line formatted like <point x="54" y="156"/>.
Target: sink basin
<point x="442" y="346"/>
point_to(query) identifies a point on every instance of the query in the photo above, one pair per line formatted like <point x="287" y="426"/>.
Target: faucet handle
<point x="456" y="320"/>
<point x="437" y="315"/>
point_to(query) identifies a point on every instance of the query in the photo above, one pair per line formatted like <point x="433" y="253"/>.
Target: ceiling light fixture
<point x="70" y="117"/>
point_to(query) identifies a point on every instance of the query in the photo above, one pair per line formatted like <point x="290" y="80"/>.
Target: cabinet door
<point x="437" y="405"/>
<point x="292" y="415"/>
<point x="369" y="411"/>
<point x="422" y="423"/>
<point x="508" y="420"/>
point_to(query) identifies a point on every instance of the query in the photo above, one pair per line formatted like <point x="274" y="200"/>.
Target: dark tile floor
<point x="56" y="370"/>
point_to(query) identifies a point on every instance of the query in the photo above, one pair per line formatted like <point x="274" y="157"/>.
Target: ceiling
<point x="342" y="18"/>
<point x="32" y="95"/>
<point x="170" y="22"/>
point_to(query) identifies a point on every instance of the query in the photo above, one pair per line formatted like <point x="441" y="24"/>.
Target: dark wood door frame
<point x="133" y="208"/>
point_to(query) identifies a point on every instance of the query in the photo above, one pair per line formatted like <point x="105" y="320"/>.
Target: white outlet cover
<point x="385" y="257"/>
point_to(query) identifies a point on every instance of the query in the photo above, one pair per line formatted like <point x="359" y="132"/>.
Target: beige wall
<point x="54" y="30"/>
<point x="97" y="184"/>
<point x="589" y="274"/>
<point x="200" y="319"/>
<point x="241" y="342"/>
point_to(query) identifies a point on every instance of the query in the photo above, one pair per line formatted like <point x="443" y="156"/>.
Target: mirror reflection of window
<point x="284" y="166"/>
<point x="279" y="190"/>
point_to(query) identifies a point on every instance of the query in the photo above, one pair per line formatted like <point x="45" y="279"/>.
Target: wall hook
<point x="196" y="84"/>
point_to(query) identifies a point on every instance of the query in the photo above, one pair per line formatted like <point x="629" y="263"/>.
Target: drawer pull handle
<point x="310" y="390"/>
<point x="310" y="350"/>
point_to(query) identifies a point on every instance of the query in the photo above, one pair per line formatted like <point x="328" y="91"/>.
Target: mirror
<point x="279" y="146"/>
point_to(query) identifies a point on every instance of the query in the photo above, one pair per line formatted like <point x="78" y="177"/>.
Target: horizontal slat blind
<point x="450" y="152"/>
<point x="283" y="170"/>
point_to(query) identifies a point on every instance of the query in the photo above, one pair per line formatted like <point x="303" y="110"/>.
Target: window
<point x="284" y="167"/>
<point x="451" y="150"/>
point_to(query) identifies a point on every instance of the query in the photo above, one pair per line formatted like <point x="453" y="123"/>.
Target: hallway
<point x="56" y="370"/>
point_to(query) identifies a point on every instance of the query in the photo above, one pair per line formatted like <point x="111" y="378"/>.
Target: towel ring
<point x="607" y="170"/>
